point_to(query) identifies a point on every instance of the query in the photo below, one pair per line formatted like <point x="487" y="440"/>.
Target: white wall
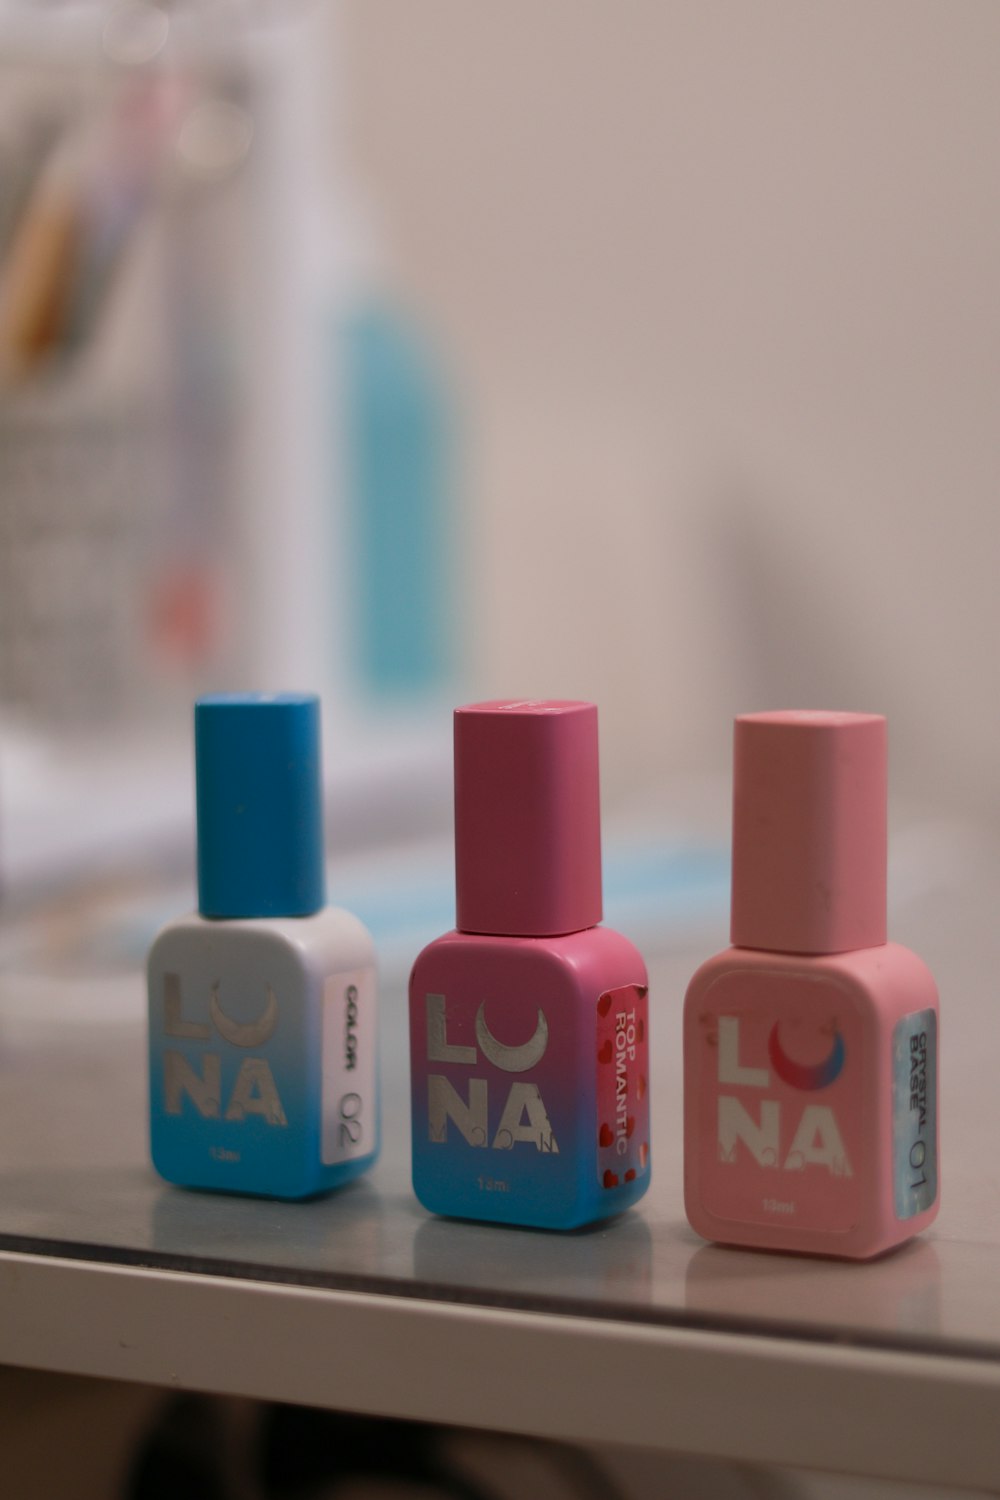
<point x="720" y="281"/>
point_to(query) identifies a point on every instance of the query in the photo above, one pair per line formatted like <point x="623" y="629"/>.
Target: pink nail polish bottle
<point x="810" y="1045"/>
<point x="528" y="1024"/>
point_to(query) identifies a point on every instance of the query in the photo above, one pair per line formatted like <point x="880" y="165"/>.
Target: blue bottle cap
<point x="260" y="805"/>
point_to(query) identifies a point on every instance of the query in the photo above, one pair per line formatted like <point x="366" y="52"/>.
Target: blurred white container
<point x="179" y="259"/>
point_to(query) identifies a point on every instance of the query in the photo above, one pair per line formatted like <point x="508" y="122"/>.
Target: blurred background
<point x="721" y="281"/>
<point x="644" y="353"/>
<point x="423" y="353"/>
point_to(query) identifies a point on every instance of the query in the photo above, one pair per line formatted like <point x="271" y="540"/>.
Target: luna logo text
<point x="524" y="1117"/>
<point x="782" y="1136"/>
<point x="254" y="1091"/>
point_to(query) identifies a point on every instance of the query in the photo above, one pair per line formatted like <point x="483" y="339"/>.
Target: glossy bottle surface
<point x="262" y="1053"/>
<point x="810" y="1106"/>
<point x="529" y="1062"/>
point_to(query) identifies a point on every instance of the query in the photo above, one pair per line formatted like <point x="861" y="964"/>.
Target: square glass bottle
<point x="810" y="1045"/>
<point x="262" y="1004"/>
<point x="529" y="1023"/>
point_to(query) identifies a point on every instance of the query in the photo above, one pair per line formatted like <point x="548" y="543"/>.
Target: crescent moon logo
<point x="250" y="1033"/>
<point x="800" y="1075"/>
<point x="512" y="1059"/>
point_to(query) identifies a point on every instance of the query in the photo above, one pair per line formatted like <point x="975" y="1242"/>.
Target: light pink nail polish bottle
<point x="810" y="1045"/>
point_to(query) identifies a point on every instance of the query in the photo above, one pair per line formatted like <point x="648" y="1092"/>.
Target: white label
<point x="349" y="1045"/>
<point x="914" y="1113"/>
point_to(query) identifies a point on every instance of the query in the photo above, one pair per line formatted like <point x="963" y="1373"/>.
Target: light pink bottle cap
<point x="809" y="832"/>
<point x="527" y="817"/>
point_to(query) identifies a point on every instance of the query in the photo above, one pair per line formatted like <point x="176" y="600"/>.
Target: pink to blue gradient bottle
<point x="529" y="1039"/>
<point x="810" y="1045"/>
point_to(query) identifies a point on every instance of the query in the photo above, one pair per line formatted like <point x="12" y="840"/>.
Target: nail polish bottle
<point x="262" y="1005"/>
<point x="810" y="1045"/>
<point x="528" y="1024"/>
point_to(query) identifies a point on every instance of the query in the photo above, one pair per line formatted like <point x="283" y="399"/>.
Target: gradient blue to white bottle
<point x="262" y="1004"/>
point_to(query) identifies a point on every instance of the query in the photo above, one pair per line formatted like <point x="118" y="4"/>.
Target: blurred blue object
<point x="400" y="510"/>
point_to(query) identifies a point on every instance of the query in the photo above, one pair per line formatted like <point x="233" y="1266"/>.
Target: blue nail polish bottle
<point x="262" y="1004"/>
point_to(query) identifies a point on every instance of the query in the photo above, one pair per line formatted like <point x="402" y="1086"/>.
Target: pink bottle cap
<point x="809" y="832"/>
<point x="527" y="817"/>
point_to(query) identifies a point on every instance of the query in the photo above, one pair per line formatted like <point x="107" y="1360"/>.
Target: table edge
<point x="893" y="1414"/>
